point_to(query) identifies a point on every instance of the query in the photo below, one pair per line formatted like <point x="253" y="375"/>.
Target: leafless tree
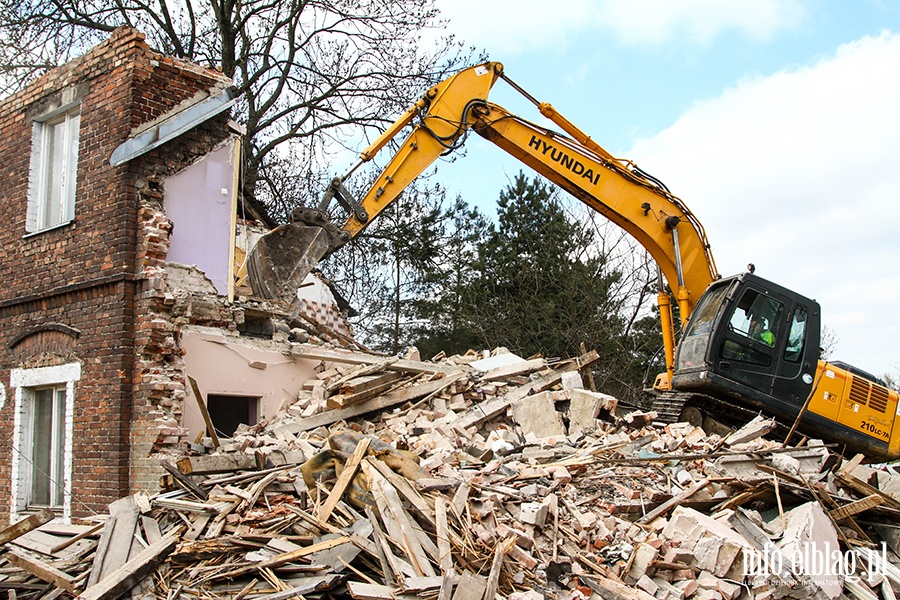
<point x="827" y="342"/>
<point x="315" y="76"/>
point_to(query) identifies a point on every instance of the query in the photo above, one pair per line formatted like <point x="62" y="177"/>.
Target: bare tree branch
<point x="314" y="75"/>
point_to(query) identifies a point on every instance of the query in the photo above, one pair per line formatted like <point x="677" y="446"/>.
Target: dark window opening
<point x="227" y="412"/>
<point x="258" y="326"/>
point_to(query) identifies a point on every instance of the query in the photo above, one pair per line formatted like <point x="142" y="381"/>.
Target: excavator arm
<point x="616" y="188"/>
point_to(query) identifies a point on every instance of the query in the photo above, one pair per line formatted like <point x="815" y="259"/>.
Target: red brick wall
<point x="92" y="276"/>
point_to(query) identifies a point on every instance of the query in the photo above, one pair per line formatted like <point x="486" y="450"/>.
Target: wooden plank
<point x="864" y="489"/>
<point x="445" y="553"/>
<point x="470" y="587"/>
<point x="126" y="576"/>
<point x="364" y="384"/>
<point x="345" y="399"/>
<point x="209" y="464"/>
<point x="204" y="412"/>
<point x="42" y="571"/>
<point x="370" y="591"/>
<point x="123" y="518"/>
<point x="25" y="525"/>
<point x="278" y="560"/>
<point x="360" y="371"/>
<point x="493" y="579"/>
<point x="344" y="479"/>
<point x="610" y="589"/>
<point x="310" y="585"/>
<point x="44" y="543"/>
<point x="405" y="489"/>
<point x="459" y="501"/>
<point x="673" y="501"/>
<point x="198" y="524"/>
<point x="525" y="366"/>
<point x="188" y="506"/>
<point x="151" y="529"/>
<point x="391" y="399"/>
<point x="417" y="585"/>
<point x="357" y="358"/>
<point x="487" y="410"/>
<point x="77" y="538"/>
<point x="856" y="507"/>
<point x="184" y="481"/>
<point x="404" y="532"/>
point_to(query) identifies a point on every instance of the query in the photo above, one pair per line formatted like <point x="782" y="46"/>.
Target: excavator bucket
<point x="283" y="258"/>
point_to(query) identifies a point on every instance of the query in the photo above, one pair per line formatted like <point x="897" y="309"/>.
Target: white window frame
<point x="41" y="182"/>
<point x="24" y="382"/>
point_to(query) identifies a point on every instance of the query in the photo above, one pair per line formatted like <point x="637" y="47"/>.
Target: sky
<point x="777" y="122"/>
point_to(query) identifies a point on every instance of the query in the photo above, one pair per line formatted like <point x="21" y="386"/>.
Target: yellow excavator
<point x="748" y="345"/>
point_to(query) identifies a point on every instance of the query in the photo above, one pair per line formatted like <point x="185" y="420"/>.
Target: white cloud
<point x="654" y="22"/>
<point x="508" y="27"/>
<point x="797" y="172"/>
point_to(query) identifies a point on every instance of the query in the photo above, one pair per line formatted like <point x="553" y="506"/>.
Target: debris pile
<point x="471" y="478"/>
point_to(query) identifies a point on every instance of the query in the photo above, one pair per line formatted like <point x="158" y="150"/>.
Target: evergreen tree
<point x="542" y="287"/>
<point x="443" y="321"/>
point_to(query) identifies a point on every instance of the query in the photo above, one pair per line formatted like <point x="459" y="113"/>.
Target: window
<point x="756" y="320"/>
<point x="54" y="162"/>
<point x="48" y="432"/>
<point x="796" y="336"/>
<point x="42" y="437"/>
<point x="227" y="412"/>
<point x="757" y="317"/>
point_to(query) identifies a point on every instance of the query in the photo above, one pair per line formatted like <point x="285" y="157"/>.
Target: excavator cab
<point x="751" y="339"/>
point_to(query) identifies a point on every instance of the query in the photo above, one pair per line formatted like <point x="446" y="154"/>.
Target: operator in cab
<point x="759" y="331"/>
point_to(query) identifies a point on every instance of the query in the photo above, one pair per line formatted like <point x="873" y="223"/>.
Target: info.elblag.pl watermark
<point x="810" y="562"/>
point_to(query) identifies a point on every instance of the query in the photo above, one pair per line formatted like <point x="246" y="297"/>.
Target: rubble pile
<point x="476" y="477"/>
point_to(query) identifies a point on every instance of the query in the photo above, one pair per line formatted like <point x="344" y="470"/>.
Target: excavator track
<point x="669" y="405"/>
<point x="713" y="414"/>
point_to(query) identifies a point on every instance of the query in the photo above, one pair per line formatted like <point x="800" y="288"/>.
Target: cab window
<point x="701" y="321"/>
<point x="754" y="327"/>
<point x="757" y="317"/>
<point x="793" y="351"/>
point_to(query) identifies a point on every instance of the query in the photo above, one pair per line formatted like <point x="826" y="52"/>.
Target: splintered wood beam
<point x="344" y="480"/>
<point x="400" y="525"/>
<point x="184" y="481"/>
<point x="673" y="501"/>
<point x="204" y="412"/>
<point x="27" y="524"/>
<point x="358" y="358"/>
<point x="125" y="577"/>
<point x="856" y="507"/>
<point x="360" y="371"/>
<point x="399" y="396"/>
<point x="445" y="553"/>
<point x="405" y="488"/>
<point x="278" y="560"/>
<point x="43" y="571"/>
<point x="370" y="591"/>
<point x="864" y="489"/>
<point x="493" y="579"/>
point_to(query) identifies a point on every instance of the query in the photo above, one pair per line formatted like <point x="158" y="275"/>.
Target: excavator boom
<point x="444" y="117"/>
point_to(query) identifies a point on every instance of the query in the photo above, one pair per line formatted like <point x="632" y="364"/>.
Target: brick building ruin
<point x="123" y="238"/>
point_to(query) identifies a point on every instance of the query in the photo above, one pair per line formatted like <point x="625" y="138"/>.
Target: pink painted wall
<point x="199" y="202"/>
<point x="221" y="365"/>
